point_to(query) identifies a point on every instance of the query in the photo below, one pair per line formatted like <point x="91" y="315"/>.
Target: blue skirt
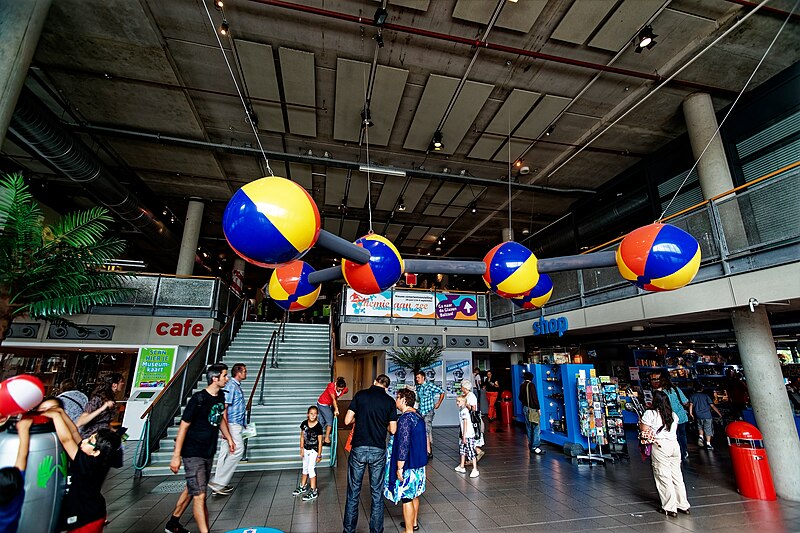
<point x="411" y="486"/>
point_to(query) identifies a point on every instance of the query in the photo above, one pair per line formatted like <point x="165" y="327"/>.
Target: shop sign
<point x="456" y="306"/>
<point x="154" y="366"/>
<point x="554" y="325"/>
<point x="180" y="329"/>
<point x="369" y="304"/>
<point x="413" y="305"/>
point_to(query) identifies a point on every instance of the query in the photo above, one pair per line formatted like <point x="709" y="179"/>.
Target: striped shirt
<point x="428" y="393"/>
<point x="234" y="398"/>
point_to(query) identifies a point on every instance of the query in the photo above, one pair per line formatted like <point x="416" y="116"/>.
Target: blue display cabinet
<point x="556" y="386"/>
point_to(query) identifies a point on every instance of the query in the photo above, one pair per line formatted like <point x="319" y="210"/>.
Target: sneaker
<point x="299" y="490"/>
<point x="311" y="495"/>
<point x="701" y="442"/>
<point x="709" y="446"/>
<point x="539" y="451"/>
<point x="461" y="470"/>
<point x="474" y="473"/>
<point x="219" y="490"/>
<point x="175" y="527"/>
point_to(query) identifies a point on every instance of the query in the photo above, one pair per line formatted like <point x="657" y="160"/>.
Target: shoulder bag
<point x="534" y="415"/>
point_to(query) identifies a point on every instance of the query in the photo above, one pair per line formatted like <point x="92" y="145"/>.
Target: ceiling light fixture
<point x="473" y="208"/>
<point x="379" y="39"/>
<point x="550" y="130"/>
<point x="525" y="231"/>
<point x="366" y="118"/>
<point x="402" y="206"/>
<point x="437" y="141"/>
<point x="219" y="4"/>
<point x="372" y="169"/>
<point x="224" y="28"/>
<point x="645" y="39"/>
<point x="380" y="16"/>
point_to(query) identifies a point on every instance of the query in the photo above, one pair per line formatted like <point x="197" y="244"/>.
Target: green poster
<point x="154" y="366"/>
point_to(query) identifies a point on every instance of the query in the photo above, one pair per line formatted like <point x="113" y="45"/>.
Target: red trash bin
<point x="750" y="464"/>
<point x="506" y="407"/>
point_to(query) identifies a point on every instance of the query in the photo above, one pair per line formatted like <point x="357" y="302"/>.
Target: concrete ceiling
<point x="126" y="75"/>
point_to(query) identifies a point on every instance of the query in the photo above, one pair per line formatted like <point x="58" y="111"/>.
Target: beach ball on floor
<point x="271" y="221"/>
<point x="510" y="270"/>
<point x="658" y="257"/>
<point x="538" y="296"/>
<point x="383" y="269"/>
<point x="289" y="286"/>
<point x="20" y="394"/>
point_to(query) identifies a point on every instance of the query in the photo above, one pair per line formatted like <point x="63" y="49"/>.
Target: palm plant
<point x="48" y="271"/>
<point x="416" y="357"/>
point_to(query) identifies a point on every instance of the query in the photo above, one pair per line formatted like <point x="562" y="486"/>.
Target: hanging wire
<point x="730" y="110"/>
<point x="510" y="230"/>
<point x="238" y="90"/>
<point x="365" y="124"/>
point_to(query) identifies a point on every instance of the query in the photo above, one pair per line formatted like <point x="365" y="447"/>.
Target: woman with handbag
<point x="661" y="424"/>
<point x="678" y="402"/>
<point x="404" y="479"/>
<point x="475" y="415"/>
<point x="530" y="406"/>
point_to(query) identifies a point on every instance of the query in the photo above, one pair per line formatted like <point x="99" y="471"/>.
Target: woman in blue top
<point x="408" y="455"/>
<point x="678" y="402"/>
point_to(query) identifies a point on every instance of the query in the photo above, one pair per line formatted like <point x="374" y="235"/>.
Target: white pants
<point x="310" y="463"/>
<point x="227" y="461"/>
<point x="669" y="478"/>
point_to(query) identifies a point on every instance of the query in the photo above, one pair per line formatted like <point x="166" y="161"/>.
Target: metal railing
<point x="161" y="413"/>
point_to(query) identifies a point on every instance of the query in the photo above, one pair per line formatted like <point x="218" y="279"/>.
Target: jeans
<point x="681" y="434"/>
<point x="360" y="458"/>
<point x="533" y="430"/>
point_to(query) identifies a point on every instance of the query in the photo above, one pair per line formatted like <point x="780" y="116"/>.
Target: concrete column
<point x="769" y="398"/>
<point x="191" y="234"/>
<point x="21" y="26"/>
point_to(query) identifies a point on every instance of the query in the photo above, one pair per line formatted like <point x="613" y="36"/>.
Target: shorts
<point x="428" y="417"/>
<point x="706" y="425"/>
<point x="325" y="414"/>
<point x="468" y="449"/>
<point x="310" y="463"/>
<point x="198" y="472"/>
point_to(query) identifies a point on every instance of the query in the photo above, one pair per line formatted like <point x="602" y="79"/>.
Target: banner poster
<point x="414" y="305"/>
<point x="435" y="373"/>
<point x="154" y="366"/>
<point x="456" y="306"/>
<point x="455" y="372"/>
<point x="401" y="378"/>
<point x="369" y="304"/>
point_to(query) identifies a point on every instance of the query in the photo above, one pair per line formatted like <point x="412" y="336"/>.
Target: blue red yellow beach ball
<point x="289" y="286"/>
<point x="271" y="221"/>
<point x="658" y="257"/>
<point x="537" y="297"/>
<point x="511" y="269"/>
<point x="384" y="268"/>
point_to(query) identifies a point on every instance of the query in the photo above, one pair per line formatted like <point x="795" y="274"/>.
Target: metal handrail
<point x="274" y="361"/>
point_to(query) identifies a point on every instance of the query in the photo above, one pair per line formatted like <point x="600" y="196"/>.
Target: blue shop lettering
<point x="544" y="327"/>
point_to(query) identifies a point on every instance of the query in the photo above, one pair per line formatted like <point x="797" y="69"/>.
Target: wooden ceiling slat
<point x="350" y="92"/>
<point x="299" y="88"/>
<point x="622" y="26"/>
<point x="385" y="103"/>
<point x="581" y="20"/>
<point x="437" y="95"/>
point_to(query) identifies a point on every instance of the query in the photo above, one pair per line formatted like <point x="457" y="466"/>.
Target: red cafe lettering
<point x="180" y="329"/>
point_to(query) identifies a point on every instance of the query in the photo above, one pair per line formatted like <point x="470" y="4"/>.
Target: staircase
<point x="303" y="373"/>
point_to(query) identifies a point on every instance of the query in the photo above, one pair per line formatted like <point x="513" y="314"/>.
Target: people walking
<point x="102" y="406"/>
<point x="374" y="413"/>
<point x="700" y="408"/>
<point x="236" y="416"/>
<point x="328" y="405"/>
<point x="678" y="402"/>
<point x="311" y="453"/>
<point x="405" y="478"/>
<point x="202" y="420"/>
<point x="660" y="425"/>
<point x="530" y="408"/>
<point x="466" y="439"/>
<point x="492" y="388"/>
<point x="428" y="404"/>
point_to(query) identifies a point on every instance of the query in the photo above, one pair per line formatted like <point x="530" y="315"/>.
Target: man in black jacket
<point x="530" y="407"/>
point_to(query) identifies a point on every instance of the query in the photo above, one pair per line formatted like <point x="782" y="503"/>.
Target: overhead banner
<point x="455" y="372"/>
<point x="456" y="306"/>
<point x="154" y="366"/>
<point x="369" y="304"/>
<point x="414" y="305"/>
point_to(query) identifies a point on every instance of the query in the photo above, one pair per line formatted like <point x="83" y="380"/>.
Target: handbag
<point x="477" y="424"/>
<point x="534" y="415"/>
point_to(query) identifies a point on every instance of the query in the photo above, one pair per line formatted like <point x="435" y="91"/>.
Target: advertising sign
<point x="455" y="372"/>
<point x="401" y="377"/>
<point x="369" y="304"/>
<point x="435" y="373"/>
<point x="456" y="306"/>
<point x="414" y="305"/>
<point x="154" y="366"/>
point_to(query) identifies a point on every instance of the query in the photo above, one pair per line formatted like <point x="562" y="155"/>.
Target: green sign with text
<point x="154" y="366"/>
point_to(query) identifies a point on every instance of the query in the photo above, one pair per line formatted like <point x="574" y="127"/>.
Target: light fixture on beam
<point x="645" y="39"/>
<point x="382" y="170"/>
<point x="437" y="141"/>
<point x="224" y="28"/>
<point x="402" y="206"/>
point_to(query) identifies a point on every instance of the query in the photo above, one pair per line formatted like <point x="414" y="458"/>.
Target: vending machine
<point x="155" y="366"/>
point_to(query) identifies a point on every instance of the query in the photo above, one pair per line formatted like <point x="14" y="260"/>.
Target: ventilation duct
<point x="36" y="127"/>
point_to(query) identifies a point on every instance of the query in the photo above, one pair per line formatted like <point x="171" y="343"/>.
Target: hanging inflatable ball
<point x="271" y="221"/>
<point x="20" y="394"/>
<point x="384" y="268"/>
<point x="289" y="286"/>
<point x="537" y="296"/>
<point x="658" y="257"/>
<point x="510" y="270"/>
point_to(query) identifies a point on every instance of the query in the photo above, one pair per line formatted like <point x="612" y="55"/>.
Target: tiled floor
<point x="515" y="492"/>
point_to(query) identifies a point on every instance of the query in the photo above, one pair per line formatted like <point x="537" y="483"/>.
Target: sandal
<point x="403" y="525"/>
